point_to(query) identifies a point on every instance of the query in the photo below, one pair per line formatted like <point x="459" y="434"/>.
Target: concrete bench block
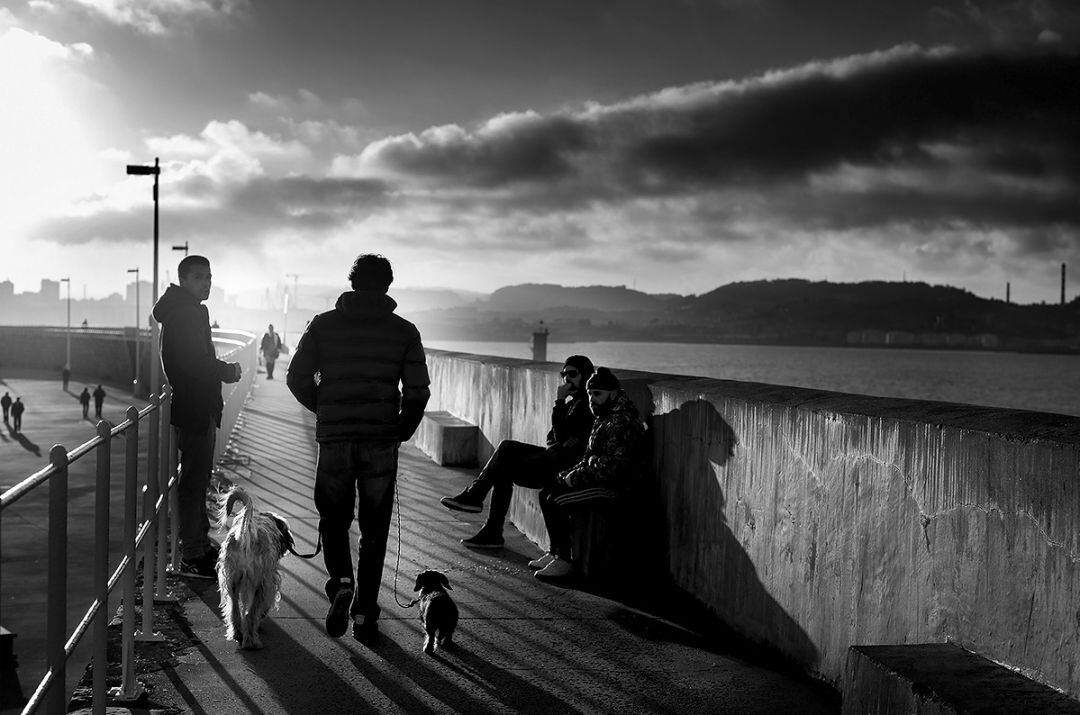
<point x="449" y="441"/>
<point x="941" y="678"/>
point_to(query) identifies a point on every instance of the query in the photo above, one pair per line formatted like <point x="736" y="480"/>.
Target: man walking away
<point x="361" y="352"/>
<point x="65" y="376"/>
<point x="84" y="400"/>
<point x="99" y="400"/>
<point x="195" y="373"/>
<point x="17" y="410"/>
<point x="271" y="348"/>
<point x="5" y="404"/>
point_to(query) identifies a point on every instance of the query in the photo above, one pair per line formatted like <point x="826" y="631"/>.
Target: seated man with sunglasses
<point x="529" y="465"/>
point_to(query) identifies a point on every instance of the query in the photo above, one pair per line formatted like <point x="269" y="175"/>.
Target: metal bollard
<point x="130" y="689"/>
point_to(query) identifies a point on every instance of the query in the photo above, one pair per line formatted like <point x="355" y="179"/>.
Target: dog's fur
<point x="248" y="575"/>
<point x="438" y="612"/>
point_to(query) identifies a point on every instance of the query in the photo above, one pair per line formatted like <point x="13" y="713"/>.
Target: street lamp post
<point x="67" y="361"/>
<point x="183" y="248"/>
<point x="135" y="382"/>
<point x="155" y="359"/>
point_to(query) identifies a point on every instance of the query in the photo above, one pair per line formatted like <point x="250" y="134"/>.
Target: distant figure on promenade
<point x="84" y="400"/>
<point x="65" y="376"/>
<point x="606" y="470"/>
<point x="99" y="400"/>
<point x="271" y="348"/>
<point x="5" y="404"/>
<point x="362" y="352"/>
<point x="17" y="410"/>
<point x="195" y="373"/>
<point x="529" y="465"/>
<point x="85" y="324"/>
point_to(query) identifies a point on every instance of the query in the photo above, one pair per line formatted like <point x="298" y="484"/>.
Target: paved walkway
<point x="522" y="645"/>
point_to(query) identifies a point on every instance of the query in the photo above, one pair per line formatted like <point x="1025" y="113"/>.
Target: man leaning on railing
<point x="195" y="373"/>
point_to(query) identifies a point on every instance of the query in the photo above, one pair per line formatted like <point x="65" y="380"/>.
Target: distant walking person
<point x="17" y="410"/>
<point x="99" y="400"/>
<point x="84" y="399"/>
<point x="5" y="403"/>
<point x="195" y="373"/>
<point x="347" y="369"/>
<point x="65" y="376"/>
<point x="271" y="348"/>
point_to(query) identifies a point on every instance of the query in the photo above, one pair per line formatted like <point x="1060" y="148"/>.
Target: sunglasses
<point x="569" y="373"/>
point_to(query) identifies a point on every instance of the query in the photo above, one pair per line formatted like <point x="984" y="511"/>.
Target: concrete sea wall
<point x="812" y="521"/>
<point x="97" y="354"/>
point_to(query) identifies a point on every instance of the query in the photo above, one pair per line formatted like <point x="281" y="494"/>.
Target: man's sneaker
<point x="337" y="618"/>
<point x="484" y="539"/>
<point x="204" y="566"/>
<point x="537" y="564"/>
<point x="558" y="568"/>
<point x="365" y="630"/>
<point x="463" y="502"/>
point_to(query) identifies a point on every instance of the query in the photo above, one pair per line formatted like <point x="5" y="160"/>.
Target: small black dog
<point x="438" y="612"/>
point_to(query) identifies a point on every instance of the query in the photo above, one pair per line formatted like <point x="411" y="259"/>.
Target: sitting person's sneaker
<point x="463" y="502"/>
<point x="365" y="629"/>
<point x="485" y="539"/>
<point x="337" y="618"/>
<point x="204" y="566"/>
<point x="537" y="564"/>
<point x="558" y="568"/>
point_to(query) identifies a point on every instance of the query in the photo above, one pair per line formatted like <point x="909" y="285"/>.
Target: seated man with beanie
<point x="528" y="465"/>
<point x="606" y="470"/>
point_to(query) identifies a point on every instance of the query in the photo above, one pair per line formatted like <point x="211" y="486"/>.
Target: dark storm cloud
<point x="1006" y="115"/>
<point x="239" y="214"/>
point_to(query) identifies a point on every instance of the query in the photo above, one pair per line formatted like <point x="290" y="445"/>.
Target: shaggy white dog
<point x="247" y="568"/>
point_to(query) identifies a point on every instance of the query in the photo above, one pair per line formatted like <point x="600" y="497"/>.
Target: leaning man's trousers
<point x="196" y="460"/>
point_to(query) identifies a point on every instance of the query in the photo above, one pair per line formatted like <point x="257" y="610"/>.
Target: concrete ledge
<point x="941" y="678"/>
<point x="449" y="441"/>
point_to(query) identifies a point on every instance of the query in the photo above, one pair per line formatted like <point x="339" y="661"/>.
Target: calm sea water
<point x="1045" y="383"/>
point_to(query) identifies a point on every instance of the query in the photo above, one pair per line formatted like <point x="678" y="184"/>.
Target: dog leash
<point x="397" y="565"/>
<point x="313" y="554"/>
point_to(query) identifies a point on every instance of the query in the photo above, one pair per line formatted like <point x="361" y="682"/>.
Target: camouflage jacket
<point x="613" y="450"/>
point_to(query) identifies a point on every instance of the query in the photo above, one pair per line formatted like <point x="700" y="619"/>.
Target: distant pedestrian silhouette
<point x="5" y="403"/>
<point x="17" y="410"/>
<point x="84" y="398"/>
<point x="271" y="348"/>
<point x="65" y="376"/>
<point x="99" y="398"/>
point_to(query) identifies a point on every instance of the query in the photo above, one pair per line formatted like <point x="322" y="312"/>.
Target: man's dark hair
<point x="370" y="271"/>
<point x="190" y="262"/>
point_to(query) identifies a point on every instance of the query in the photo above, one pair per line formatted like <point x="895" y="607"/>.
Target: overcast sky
<point x="668" y="145"/>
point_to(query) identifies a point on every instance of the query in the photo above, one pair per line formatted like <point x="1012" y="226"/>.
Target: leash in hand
<point x="397" y="565"/>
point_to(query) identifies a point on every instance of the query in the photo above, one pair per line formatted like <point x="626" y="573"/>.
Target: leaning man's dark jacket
<point x="189" y="360"/>
<point x="348" y="365"/>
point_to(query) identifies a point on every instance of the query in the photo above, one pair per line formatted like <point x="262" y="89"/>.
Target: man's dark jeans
<point x="513" y="463"/>
<point x="366" y="469"/>
<point x="196" y="460"/>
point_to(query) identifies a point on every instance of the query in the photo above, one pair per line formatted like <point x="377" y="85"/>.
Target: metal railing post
<point x="174" y="503"/>
<point x="164" y="438"/>
<point x="150" y="498"/>
<point x="101" y="563"/>
<point x="56" y="623"/>
<point x="130" y="689"/>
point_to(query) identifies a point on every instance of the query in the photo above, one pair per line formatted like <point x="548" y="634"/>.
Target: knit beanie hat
<point x="580" y="363"/>
<point x="603" y="379"/>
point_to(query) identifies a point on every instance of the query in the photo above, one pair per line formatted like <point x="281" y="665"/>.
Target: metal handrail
<point x="148" y="533"/>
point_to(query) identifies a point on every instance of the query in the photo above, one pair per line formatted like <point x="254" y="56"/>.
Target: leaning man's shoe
<point x="484" y="539"/>
<point x="337" y="618"/>
<point x="558" y="568"/>
<point x="543" y="561"/>
<point x="204" y="566"/>
<point x="463" y="502"/>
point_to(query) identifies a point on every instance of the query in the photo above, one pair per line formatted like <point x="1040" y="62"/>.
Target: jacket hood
<point x="365" y="305"/>
<point x="174" y="297"/>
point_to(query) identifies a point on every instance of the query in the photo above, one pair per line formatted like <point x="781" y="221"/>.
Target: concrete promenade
<point x="522" y="645"/>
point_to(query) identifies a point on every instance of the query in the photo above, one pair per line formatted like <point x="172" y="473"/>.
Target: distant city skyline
<point x="675" y="147"/>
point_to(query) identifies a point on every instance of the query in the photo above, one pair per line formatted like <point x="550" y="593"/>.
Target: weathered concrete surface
<point x="812" y="521"/>
<point x="96" y="355"/>
<point x="448" y="440"/>
<point x="941" y="678"/>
